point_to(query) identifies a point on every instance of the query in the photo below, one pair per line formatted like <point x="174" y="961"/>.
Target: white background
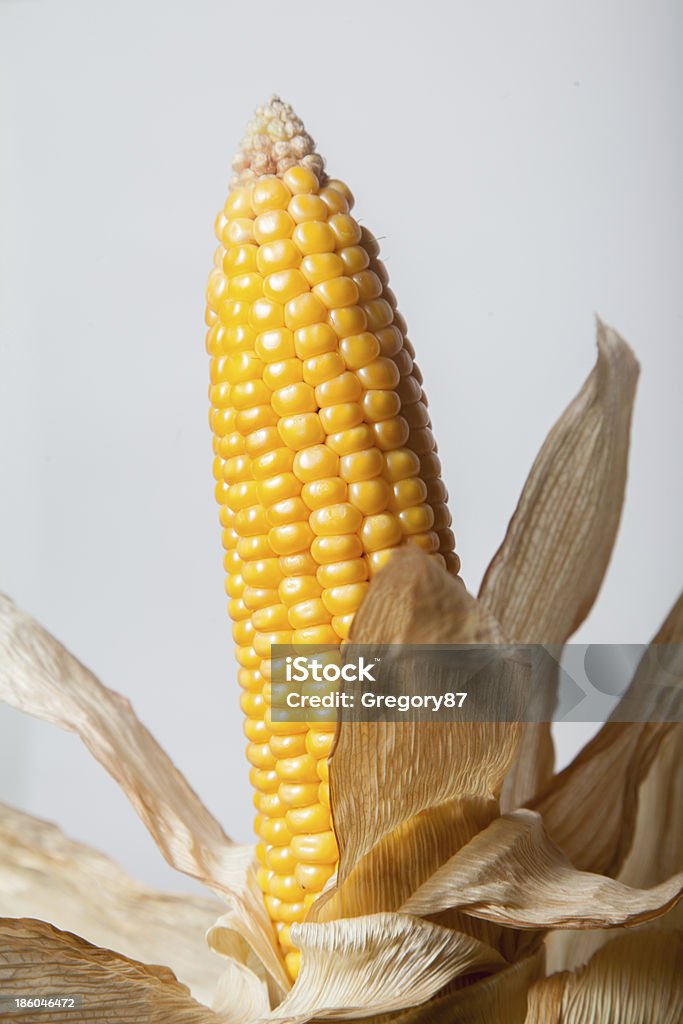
<point x="522" y="163"/>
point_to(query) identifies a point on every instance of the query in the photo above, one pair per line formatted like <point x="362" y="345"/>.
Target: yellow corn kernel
<point x="406" y="493"/>
<point x="259" y="756"/>
<point x="339" y="291"/>
<point x="315" y="463"/>
<point x="334" y="200"/>
<point x="308" y="820"/>
<point x="297" y="769"/>
<point x="319" y="369"/>
<point x="270" y="805"/>
<point x="383" y="405"/>
<point x="346" y="442"/>
<point x="301" y="431"/>
<point x="281" y="859"/>
<point x="337" y="418"/>
<point x="348" y="320"/>
<point x="269" y="193"/>
<point x="264" y="641"/>
<point x="294" y="399"/>
<point x="314" y="340"/>
<point x="390" y="340"/>
<point x="276" y="256"/>
<point x="294" y="589"/>
<point x="284" y="285"/>
<point x="272" y="462"/>
<point x="307" y="207"/>
<point x="277" y="488"/>
<point x="303" y="311"/>
<point x="370" y="496"/>
<point x="247" y="657"/>
<point x="392" y="433"/>
<point x="368" y="284"/>
<point x="320" y="848"/>
<point x="286" y="512"/>
<point x="273" y="226"/>
<point x="265" y="572"/>
<point x="288" y="744"/>
<point x="314" y="236"/>
<point x="265" y="780"/>
<point x="263" y="877"/>
<point x="238" y="204"/>
<point x="300" y="180"/>
<point x="429" y="542"/>
<point x="401" y="465"/>
<point x="249" y="522"/>
<point x="354" y="258"/>
<point x="267" y="620"/>
<point x="320" y="493"/>
<point x="263" y="438"/>
<point x="239" y="231"/>
<point x="280" y="375"/>
<point x="255" y="730"/>
<point x="381" y="373"/>
<point x="365" y="465"/>
<point x="340" y="548"/>
<point x="345" y="599"/>
<point x="286" y="888"/>
<point x="313" y="877"/>
<point x="418" y="519"/>
<point x="308" y="613"/>
<point x="275" y="345"/>
<point x="301" y="563"/>
<point x="345" y="229"/>
<point x="344" y="388"/>
<point x="294" y="794"/>
<point x="319" y="744"/>
<point x="379" y="314"/>
<point x="245" y="287"/>
<point x="378" y="559"/>
<point x="293" y="962"/>
<point x="315" y="635"/>
<point x="359" y="349"/>
<point x="334" y="520"/>
<point x="284" y="936"/>
<point x="266" y="315"/>
<point x="380" y="531"/>
<point x="252" y="548"/>
<point x="338" y="574"/>
<point x="321" y="266"/>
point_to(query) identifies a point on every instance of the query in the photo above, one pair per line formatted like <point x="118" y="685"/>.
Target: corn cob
<point x="324" y="463"/>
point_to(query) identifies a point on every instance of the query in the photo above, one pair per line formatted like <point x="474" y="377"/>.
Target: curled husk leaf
<point x="48" y="876"/>
<point x="544" y="579"/>
<point x="37" y="959"/>
<point x="635" y="979"/>
<point x="39" y="676"/>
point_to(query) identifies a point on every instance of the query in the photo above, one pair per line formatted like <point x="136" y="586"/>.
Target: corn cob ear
<point x="325" y="462"/>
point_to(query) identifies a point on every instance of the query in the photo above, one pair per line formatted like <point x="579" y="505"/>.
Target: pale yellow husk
<point x="443" y="906"/>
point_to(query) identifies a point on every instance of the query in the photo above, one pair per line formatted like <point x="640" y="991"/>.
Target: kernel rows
<point x="324" y="463"/>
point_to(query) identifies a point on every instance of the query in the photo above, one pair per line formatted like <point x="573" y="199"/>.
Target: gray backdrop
<point x="522" y="164"/>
